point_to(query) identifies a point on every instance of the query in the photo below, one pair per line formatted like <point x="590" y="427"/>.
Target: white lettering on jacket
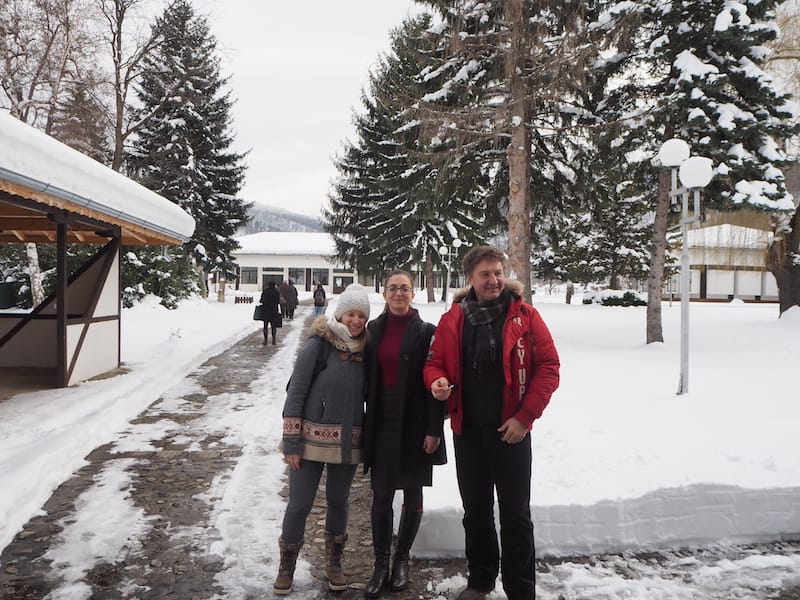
<point x="522" y="373"/>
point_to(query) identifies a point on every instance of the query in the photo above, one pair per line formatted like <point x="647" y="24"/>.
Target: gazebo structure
<point x="52" y="194"/>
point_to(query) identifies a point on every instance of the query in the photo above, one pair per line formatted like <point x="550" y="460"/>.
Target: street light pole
<point x="445" y="253"/>
<point x="695" y="173"/>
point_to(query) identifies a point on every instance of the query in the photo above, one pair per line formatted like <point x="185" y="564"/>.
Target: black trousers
<point x="267" y="328"/>
<point x="484" y="465"/>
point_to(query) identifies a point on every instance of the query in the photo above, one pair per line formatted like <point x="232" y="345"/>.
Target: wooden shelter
<point x="52" y="194"/>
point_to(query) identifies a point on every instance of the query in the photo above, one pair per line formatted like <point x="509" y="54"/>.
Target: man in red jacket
<point x="493" y="360"/>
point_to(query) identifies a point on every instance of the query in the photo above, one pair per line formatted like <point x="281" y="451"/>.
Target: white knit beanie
<point x="354" y="297"/>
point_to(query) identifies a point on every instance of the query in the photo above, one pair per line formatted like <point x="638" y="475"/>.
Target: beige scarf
<point x="344" y="341"/>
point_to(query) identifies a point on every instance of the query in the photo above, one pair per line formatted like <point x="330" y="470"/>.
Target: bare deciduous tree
<point x="127" y="49"/>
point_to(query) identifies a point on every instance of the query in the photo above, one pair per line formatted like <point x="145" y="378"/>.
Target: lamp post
<point x="445" y="253"/>
<point x="695" y="173"/>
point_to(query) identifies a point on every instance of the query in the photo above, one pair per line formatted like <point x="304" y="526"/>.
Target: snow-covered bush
<point x="615" y="298"/>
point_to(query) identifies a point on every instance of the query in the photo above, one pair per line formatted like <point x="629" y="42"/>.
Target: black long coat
<point x="422" y="413"/>
<point x="270" y="312"/>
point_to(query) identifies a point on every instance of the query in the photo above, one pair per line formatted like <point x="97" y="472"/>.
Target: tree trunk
<point x="35" y="274"/>
<point x="429" y="277"/>
<point x="655" y="280"/>
<point x="221" y="288"/>
<point x="202" y="280"/>
<point x="519" y="150"/>
<point x="783" y="262"/>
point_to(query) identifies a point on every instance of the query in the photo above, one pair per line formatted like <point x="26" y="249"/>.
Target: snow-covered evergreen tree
<point x="505" y="76"/>
<point x="81" y="121"/>
<point x="692" y="70"/>
<point x="183" y="150"/>
<point x="392" y="206"/>
<point x="163" y="272"/>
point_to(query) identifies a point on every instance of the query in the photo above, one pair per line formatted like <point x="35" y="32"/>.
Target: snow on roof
<point x="36" y="161"/>
<point x="729" y="236"/>
<point x="287" y="242"/>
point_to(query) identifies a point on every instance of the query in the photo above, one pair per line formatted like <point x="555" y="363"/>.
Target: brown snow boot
<point x="285" y="578"/>
<point x="334" y="546"/>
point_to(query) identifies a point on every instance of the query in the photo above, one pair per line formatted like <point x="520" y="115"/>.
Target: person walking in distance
<point x="270" y="310"/>
<point x="494" y="362"/>
<point x="322" y="428"/>
<point x="402" y="429"/>
<point x="289" y="299"/>
<point x="319" y="300"/>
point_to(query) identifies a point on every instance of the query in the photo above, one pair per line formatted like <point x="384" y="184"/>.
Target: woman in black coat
<point x="402" y="428"/>
<point x="270" y="309"/>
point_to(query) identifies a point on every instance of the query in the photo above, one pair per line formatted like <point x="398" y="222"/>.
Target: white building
<point x="302" y="257"/>
<point x="730" y="261"/>
<point x="728" y="258"/>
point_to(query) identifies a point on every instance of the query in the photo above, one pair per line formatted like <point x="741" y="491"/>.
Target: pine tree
<point x="183" y="150"/>
<point x="163" y="272"/>
<point x="81" y="122"/>
<point x="602" y="231"/>
<point x="392" y="206"/>
<point x="506" y="72"/>
<point x="692" y="70"/>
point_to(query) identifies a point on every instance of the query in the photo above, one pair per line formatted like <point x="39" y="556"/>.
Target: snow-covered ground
<point x="620" y="461"/>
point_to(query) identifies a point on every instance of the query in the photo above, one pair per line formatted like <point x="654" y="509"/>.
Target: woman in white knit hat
<point x="322" y="428"/>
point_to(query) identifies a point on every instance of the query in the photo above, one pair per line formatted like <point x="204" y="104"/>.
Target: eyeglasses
<point x="393" y="289"/>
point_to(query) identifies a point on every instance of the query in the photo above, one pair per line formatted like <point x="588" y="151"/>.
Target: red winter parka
<point x="530" y="360"/>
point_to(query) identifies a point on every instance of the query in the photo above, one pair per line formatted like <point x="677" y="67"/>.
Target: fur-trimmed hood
<point x="514" y="287"/>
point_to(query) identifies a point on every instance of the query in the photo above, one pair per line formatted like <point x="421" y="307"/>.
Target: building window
<point x="248" y="275"/>
<point x="320" y="276"/>
<point x="298" y="276"/>
<point x="278" y="279"/>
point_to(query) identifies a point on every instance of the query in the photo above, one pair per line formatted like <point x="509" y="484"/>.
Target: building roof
<point x="287" y="243"/>
<point x="729" y="236"/>
<point x="40" y="176"/>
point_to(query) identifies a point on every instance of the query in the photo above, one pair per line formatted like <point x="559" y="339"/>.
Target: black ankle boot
<point x="406" y="532"/>
<point x="381" y="543"/>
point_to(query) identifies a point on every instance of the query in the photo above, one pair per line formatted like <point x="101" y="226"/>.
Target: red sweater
<point x="389" y="350"/>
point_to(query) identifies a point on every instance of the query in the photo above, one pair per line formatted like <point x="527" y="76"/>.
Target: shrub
<point x="615" y="298"/>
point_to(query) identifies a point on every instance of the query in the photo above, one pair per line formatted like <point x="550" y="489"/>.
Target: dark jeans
<point x="485" y="464"/>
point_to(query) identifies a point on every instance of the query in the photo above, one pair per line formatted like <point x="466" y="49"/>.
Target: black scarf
<point x="482" y="316"/>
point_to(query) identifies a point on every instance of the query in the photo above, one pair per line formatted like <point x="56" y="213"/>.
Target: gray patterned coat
<point x="323" y="418"/>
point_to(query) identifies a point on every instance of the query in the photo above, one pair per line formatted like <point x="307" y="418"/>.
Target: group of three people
<point x="279" y="302"/>
<point x="491" y="364"/>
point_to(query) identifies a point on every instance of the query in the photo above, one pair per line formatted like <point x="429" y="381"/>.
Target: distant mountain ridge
<point x="270" y="218"/>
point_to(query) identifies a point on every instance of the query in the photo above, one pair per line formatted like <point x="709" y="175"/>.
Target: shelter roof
<point x="41" y="178"/>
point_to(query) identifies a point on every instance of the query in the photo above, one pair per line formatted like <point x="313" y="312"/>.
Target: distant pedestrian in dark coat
<point x="270" y="311"/>
<point x="402" y="431"/>
<point x="319" y="300"/>
<point x="288" y="299"/>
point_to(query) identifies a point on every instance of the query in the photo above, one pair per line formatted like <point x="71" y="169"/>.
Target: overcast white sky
<point x="297" y="70"/>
